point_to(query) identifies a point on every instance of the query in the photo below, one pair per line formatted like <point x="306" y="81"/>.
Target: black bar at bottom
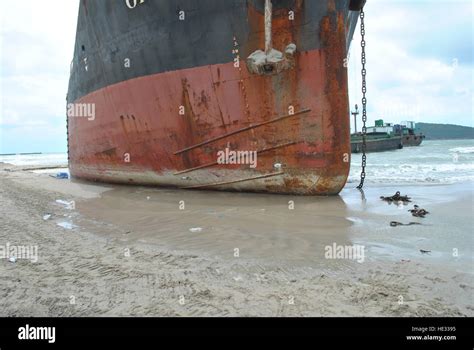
<point x="409" y="332"/>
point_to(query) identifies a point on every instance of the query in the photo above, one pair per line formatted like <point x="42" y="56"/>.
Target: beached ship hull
<point x="169" y="94"/>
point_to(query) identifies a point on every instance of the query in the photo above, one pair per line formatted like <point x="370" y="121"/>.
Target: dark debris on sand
<point x="396" y="198"/>
<point x="418" y="212"/>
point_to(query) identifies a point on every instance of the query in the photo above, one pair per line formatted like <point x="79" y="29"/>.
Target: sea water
<point x="43" y="159"/>
<point x="433" y="162"/>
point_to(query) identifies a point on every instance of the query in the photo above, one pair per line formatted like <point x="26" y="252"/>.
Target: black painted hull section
<point x="154" y="39"/>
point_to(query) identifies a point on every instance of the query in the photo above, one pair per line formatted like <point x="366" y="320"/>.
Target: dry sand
<point x="131" y="252"/>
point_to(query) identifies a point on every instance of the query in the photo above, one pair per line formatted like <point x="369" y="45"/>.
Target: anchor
<point x="270" y="61"/>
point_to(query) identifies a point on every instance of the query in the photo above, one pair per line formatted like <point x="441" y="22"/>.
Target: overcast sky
<point x="420" y="66"/>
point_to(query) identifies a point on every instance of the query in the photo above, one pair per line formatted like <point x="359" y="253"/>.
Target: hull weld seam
<point x="208" y="165"/>
<point x="234" y="181"/>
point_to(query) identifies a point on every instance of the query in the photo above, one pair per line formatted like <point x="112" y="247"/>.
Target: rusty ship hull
<point x="170" y="94"/>
<point x="412" y="140"/>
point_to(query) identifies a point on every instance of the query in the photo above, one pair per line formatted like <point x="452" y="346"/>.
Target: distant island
<point x="445" y="131"/>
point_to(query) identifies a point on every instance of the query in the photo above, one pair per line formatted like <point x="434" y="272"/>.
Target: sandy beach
<point x="108" y="250"/>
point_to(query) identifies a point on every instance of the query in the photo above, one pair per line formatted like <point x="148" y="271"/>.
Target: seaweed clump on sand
<point x="418" y="212"/>
<point x="397" y="197"/>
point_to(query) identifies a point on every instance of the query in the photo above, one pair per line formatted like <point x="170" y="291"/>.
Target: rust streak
<point x="250" y="127"/>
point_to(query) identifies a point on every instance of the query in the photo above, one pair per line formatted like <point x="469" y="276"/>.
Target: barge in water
<point x="386" y="137"/>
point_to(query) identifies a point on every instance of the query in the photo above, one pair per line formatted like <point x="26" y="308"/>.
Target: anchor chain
<point x="364" y="99"/>
<point x="67" y="135"/>
<point x="268" y="26"/>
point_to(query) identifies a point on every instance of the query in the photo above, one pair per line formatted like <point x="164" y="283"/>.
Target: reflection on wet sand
<point x="225" y="224"/>
<point x="281" y="251"/>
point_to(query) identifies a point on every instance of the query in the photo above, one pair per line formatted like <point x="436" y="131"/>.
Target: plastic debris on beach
<point x="196" y="229"/>
<point x="418" y="212"/>
<point x="47" y="217"/>
<point x="68" y="205"/>
<point x="397" y="197"/>
<point x="66" y="225"/>
<point x="61" y="175"/>
<point x="12" y="259"/>
<point x="425" y="251"/>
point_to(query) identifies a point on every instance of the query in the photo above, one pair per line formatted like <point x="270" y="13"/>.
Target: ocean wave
<point x="441" y="173"/>
<point x="412" y="180"/>
<point x="464" y="150"/>
<point x="447" y="162"/>
<point x="35" y="159"/>
<point x="423" y="168"/>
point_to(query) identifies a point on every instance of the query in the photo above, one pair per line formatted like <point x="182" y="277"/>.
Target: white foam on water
<point x="434" y="162"/>
<point x="35" y="159"/>
<point x="462" y="150"/>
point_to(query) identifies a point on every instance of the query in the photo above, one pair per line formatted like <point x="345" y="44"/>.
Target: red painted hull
<point x="138" y="127"/>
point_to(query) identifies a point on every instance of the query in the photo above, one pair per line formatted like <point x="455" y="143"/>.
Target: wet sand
<point x="136" y="251"/>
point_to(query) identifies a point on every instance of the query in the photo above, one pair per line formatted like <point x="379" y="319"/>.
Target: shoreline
<point x="131" y="253"/>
